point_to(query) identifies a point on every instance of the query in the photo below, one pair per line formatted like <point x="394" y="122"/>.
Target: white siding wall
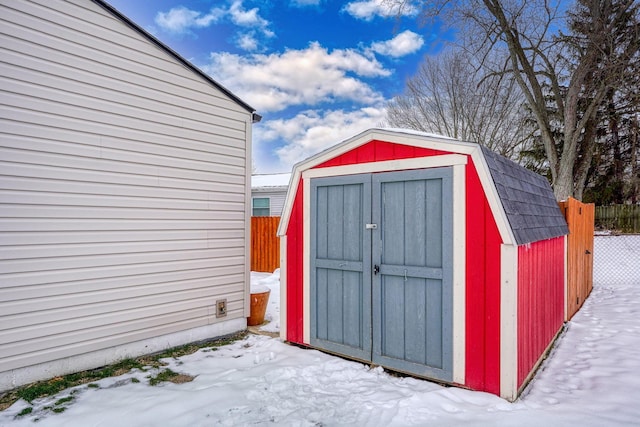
<point x="277" y="202"/>
<point x="122" y="187"/>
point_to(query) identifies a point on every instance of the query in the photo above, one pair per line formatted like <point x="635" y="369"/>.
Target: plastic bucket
<point x="258" y="308"/>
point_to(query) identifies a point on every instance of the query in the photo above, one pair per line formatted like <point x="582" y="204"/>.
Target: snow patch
<point x="590" y="378"/>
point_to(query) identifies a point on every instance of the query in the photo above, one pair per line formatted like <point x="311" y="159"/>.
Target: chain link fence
<point x="616" y="259"/>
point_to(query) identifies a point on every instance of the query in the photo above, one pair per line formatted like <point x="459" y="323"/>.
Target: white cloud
<point x="246" y="18"/>
<point x="310" y="132"/>
<point x="247" y="41"/>
<point x="298" y="77"/>
<point x="403" y="44"/>
<point x="181" y="20"/>
<point x="369" y="9"/>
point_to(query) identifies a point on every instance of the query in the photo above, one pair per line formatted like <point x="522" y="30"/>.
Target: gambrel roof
<point x="522" y="201"/>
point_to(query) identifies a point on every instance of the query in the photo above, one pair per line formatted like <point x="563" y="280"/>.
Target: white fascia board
<point x="288" y="201"/>
<point x="490" y="191"/>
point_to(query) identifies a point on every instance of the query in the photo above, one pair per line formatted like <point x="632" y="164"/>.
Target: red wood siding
<point x="377" y="151"/>
<point x="540" y="300"/>
<point x="483" y="289"/>
<point x="295" y="252"/>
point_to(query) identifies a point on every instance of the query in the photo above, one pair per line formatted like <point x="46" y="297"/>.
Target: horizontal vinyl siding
<point x="122" y="187"/>
<point x="277" y="203"/>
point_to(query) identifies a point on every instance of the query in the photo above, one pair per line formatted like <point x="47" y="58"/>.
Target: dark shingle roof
<point x="528" y="200"/>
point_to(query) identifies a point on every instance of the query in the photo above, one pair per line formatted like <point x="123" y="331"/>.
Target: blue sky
<point x="318" y="71"/>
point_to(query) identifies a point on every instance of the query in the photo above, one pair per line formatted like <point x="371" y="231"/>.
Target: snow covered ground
<point x="592" y="378"/>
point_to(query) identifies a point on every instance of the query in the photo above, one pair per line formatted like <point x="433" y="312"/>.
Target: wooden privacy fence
<point x="623" y="218"/>
<point x="265" y="244"/>
<point x="580" y="219"/>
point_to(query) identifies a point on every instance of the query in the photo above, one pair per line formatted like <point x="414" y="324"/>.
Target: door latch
<point x="371" y="226"/>
<point x="376" y="269"/>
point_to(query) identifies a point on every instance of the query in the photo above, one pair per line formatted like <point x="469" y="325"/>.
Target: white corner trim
<point x="247" y="220"/>
<point x="459" y="274"/>
<point x="306" y="262"/>
<point x="283" y="288"/>
<point x="388" y="165"/>
<point x="509" y="322"/>
<point x="288" y="202"/>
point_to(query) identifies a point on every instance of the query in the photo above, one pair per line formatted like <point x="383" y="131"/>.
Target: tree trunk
<point x="581" y="170"/>
<point x="563" y="186"/>
<point x="635" y="176"/>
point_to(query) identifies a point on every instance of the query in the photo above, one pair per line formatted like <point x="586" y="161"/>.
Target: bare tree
<point x="576" y="70"/>
<point x="448" y="96"/>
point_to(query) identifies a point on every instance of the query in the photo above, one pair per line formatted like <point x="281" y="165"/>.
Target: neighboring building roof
<point x="276" y="181"/>
<point x="527" y="199"/>
<point x="189" y="65"/>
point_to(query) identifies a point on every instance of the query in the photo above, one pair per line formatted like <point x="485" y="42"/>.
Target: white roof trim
<point x="411" y="138"/>
<point x="387" y="165"/>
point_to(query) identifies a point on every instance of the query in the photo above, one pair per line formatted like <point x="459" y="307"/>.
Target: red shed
<point x="424" y="255"/>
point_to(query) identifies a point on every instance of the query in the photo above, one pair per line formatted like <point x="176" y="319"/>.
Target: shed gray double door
<point x="381" y="269"/>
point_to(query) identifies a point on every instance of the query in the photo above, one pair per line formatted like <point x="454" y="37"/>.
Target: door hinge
<point x="376" y="269"/>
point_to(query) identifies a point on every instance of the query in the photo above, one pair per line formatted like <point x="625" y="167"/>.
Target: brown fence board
<point x="580" y="219"/>
<point x="265" y="244"/>
<point x="623" y="218"/>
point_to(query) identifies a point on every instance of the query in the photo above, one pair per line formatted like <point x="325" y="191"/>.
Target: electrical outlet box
<point x="221" y="308"/>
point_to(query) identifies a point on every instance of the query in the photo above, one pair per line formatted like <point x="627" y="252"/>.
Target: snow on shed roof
<point x="527" y="199"/>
